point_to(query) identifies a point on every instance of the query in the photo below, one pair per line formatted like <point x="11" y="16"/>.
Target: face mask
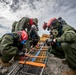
<point x="54" y="32"/>
<point x="55" y="26"/>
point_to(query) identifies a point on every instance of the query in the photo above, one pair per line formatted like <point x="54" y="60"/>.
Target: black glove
<point x="50" y="42"/>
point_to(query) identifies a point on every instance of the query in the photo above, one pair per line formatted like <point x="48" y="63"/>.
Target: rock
<point x="4" y="70"/>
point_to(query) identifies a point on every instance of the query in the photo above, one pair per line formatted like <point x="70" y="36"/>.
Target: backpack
<point x="13" y="26"/>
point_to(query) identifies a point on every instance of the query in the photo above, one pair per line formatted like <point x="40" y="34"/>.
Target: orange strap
<point x="32" y="63"/>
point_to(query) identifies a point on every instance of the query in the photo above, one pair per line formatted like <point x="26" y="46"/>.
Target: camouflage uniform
<point x="9" y="46"/>
<point x="34" y="37"/>
<point x="23" y="24"/>
<point x="13" y="26"/>
<point x="68" y="45"/>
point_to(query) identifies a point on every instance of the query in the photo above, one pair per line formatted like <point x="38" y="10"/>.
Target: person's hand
<point x="54" y="40"/>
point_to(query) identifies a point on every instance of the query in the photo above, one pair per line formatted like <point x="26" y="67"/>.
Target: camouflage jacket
<point x="68" y="35"/>
<point x="23" y="24"/>
<point x="13" y="26"/>
<point x="9" y="44"/>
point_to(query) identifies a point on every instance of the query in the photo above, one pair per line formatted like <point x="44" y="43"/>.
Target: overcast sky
<point x="14" y="10"/>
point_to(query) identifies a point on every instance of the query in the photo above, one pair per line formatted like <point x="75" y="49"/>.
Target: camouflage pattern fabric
<point x="68" y="45"/>
<point x="13" y="26"/>
<point x="9" y="46"/>
<point x="23" y="24"/>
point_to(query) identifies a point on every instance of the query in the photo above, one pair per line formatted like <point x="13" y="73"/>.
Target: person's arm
<point x="68" y="36"/>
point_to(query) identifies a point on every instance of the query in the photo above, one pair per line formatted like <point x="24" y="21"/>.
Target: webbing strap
<point x="33" y="59"/>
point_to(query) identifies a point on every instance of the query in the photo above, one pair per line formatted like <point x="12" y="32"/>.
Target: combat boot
<point x="72" y="72"/>
<point x="4" y="64"/>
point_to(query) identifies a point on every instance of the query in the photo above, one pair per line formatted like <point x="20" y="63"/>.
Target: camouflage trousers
<point x="65" y="51"/>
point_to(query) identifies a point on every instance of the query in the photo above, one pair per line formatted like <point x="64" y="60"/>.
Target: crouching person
<point x="10" y="45"/>
<point x="65" y="44"/>
<point x="34" y="37"/>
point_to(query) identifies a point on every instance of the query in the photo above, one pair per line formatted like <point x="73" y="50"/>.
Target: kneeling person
<point x="10" y="45"/>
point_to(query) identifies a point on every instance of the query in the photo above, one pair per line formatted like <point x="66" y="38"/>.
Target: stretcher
<point x="34" y="62"/>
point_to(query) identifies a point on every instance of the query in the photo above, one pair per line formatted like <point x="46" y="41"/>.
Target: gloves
<point x="50" y="42"/>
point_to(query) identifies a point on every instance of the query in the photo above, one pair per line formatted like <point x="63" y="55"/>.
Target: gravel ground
<point x="55" y="66"/>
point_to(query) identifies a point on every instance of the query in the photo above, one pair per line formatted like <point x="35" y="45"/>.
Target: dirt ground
<point x="55" y="66"/>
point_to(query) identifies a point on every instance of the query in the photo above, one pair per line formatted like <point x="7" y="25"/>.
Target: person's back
<point x="22" y="24"/>
<point x="67" y="31"/>
<point x="25" y="23"/>
<point x="13" y="26"/>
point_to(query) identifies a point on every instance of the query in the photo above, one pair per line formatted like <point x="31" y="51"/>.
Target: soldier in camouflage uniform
<point x="34" y="37"/>
<point x="10" y="45"/>
<point x="64" y="44"/>
<point x="25" y="23"/>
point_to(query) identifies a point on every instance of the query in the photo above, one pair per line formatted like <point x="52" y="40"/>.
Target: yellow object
<point x="32" y="63"/>
<point x="44" y="37"/>
<point x="45" y="47"/>
<point x="32" y="56"/>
